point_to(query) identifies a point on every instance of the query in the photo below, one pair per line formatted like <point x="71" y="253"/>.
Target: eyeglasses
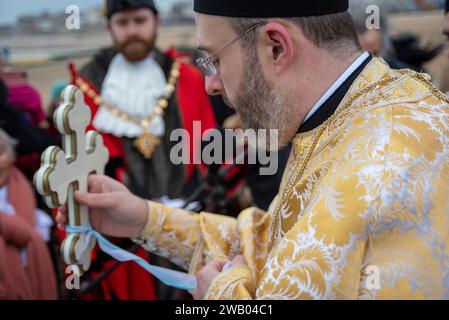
<point x="207" y="64"/>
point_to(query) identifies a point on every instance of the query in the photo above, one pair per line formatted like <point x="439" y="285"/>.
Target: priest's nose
<point x="214" y="86"/>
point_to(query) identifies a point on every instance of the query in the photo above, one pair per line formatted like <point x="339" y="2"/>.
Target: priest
<point x="362" y="212"/>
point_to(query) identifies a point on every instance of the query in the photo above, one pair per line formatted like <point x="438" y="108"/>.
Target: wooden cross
<point x="65" y="171"/>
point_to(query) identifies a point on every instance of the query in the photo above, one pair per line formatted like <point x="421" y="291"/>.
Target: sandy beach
<point x="428" y="25"/>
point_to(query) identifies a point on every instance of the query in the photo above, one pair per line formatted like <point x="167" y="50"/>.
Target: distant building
<point x="411" y="5"/>
<point x="181" y="12"/>
<point x="43" y="23"/>
<point x="93" y="19"/>
<point x="27" y="24"/>
<point x="6" y="29"/>
<point x="56" y="22"/>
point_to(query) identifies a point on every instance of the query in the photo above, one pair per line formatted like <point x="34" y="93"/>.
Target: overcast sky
<point x="10" y="10"/>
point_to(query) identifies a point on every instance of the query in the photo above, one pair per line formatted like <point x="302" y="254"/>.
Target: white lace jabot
<point x="134" y="88"/>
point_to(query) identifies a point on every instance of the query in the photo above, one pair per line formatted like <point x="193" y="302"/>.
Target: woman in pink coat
<point x="26" y="270"/>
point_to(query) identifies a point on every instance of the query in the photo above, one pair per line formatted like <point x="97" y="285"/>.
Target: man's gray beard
<point x="259" y="105"/>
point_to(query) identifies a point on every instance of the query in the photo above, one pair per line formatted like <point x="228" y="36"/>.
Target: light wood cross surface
<point x="65" y="171"/>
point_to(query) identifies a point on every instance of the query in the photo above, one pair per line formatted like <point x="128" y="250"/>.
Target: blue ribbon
<point x="169" y="277"/>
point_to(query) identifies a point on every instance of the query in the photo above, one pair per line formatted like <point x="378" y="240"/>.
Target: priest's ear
<point x="278" y="46"/>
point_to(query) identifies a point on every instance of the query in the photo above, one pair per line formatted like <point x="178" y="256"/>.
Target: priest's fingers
<point x="217" y="265"/>
<point x="96" y="200"/>
<point x="205" y="277"/>
<point x="102" y="184"/>
<point x="239" y="260"/>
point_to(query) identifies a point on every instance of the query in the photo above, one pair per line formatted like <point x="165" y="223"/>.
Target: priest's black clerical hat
<point x="270" y="8"/>
<point x="113" y="6"/>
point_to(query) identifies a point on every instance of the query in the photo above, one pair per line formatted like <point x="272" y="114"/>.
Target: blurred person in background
<point x="55" y="99"/>
<point x="20" y="118"/>
<point x="32" y="140"/>
<point x="27" y="99"/>
<point x="26" y="269"/>
<point x="401" y="52"/>
<point x="375" y="40"/>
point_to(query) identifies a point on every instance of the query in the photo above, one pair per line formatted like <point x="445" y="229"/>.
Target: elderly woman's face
<point x="5" y="162"/>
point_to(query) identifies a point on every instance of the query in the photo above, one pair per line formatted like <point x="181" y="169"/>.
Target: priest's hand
<point x="113" y="209"/>
<point x="206" y="275"/>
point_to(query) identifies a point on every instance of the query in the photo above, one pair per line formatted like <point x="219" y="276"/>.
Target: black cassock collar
<point x="329" y="107"/>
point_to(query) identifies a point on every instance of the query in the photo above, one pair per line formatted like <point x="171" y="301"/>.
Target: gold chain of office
<point x="147" y="142"/>
<point x="301" y="166"/>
